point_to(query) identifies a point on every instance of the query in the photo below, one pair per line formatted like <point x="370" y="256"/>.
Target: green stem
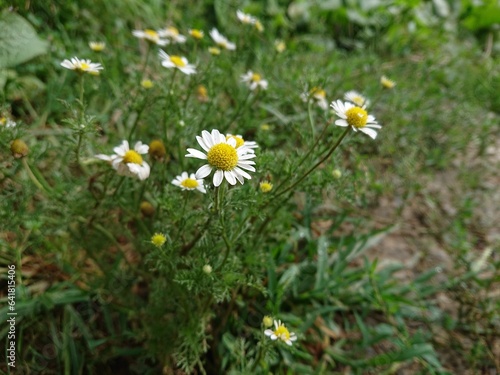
<point x="32" y="176"/>
<point x="321" y="161"/>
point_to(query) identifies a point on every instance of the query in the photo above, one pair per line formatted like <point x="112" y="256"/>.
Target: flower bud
<point x="267" y="321"/>
<point x="19" y="148"/>
<point x="207" y="268"/>
<point x="147" y="209"/>
<point x="157" y="149"/>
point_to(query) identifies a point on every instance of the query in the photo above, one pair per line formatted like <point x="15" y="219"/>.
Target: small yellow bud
<point x="19" y="149"/>
<point x="266" y="186"/>
<point x="207" y="268"/>
<point x="202" y="94"/>
<point x="147" y="209"/>
<point x="147" y="84"/>
<point x="267" y="321"/>
<point x="214" y="51"/>
<point x="265" y="127"/>
<point x="197" y="34"/>
<point x="337" y="173"/>
<point x="387" y="83"/>
<point x="157" y="149"/>
<point x="279" y="45"/>
<point x="158" y="239"/>
<point x="259" y="26"/>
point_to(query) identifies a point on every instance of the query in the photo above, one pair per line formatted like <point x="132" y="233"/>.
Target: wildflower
<point x="172" y="34"/>
<point x="267" y="321"/>
<point x="129" y="162"/>
<point x="254" y="80"/>
<point x="157" y="149"/>
<point x="266" y="186"/>
<point x="147" y="209"/>
<point x="356" y="117"/>
<point x="245" y="18"/>
<point x="240" y="142"/>
<point x="158" y="239"/>
<point x="265" y="127"/>
<point x="201" y="94"/>
<point x="214" y="51"/>
<point x="178" y="62"/>
<point x="19" y="148"/>
<point x="97" y="46"/>
<point x="387" y="83"/>
<point x="197" y="34"/>
<point x="207" y="268"/>
<point x="223" y="157"/>
<point x="151" y="36"/>
<point x="221" y="40"/>
<point x="147" y="84"/>
<point x="356" y="98"/>
<point x="337" y="173"/>
<point x="258" y="25"/>
<point x="318" y="95"/>
<point x="281" y="332"/>
<point x="7" y="122"/>
<point x="189" y="182"/>
<point x="279" y="45"/>
<point x="82" y="66"/>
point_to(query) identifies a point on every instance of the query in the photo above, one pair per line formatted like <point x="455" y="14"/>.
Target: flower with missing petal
<point x="171" y="33"/>
<point x="151" y="36"/>
<point x="82" y="66"/>
<point x="356" y="117"/>
<point x="224" y="157"/>
<point x="179" y="62"/>
<point x="129" y="162"/>
<point x="189" y="182"/>
<point x="356" y="98"/>
<point x="221" y="40"/>
<point x="254" y="80"/>
<point x="281" y="332"/>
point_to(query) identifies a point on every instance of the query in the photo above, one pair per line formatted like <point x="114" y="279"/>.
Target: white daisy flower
<point x="356" y="117"/>
<point x="129" y="162"/>
<point x="281" y="332"/>
<point x="181" y="63"/>
<point x="356" y="98"/>
<point x="387" y="83"/>
<point x="240" y="142"/>
<point x="172" y="34"/>
<point x="245" y="18"/>
<point x="316" y="94"/>
<point x="254" y="80"/>
<point x="84" y="66"/>
<point x="189" y="182"/>
<point x="221" y="40"/>
<point x="197" y="34"/>
<point x="151" y="36"/>
<point x="97" y="46"/>
<point x="224" y="157"/>
<point x="7" y="122"/>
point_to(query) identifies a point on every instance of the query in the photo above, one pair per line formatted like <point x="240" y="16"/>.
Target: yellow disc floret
<point x="239" y="141"/>
<point x="256" y="77"/>
<point x="151" y="33"/>
<point x="282" y="332"/>
<point x="132" y="156"/>
<point x="266" y="186"/>
<point x="356" y="117"/>
<point x="223" y="157"/>
<point x="158" y="239"/>
<point x="177" y="60"/>
<point x="190" y="183"/>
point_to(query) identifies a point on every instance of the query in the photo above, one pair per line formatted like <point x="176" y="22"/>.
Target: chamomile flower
<point x="224" y="157"/>
<point x="171" y="33"/>
<point x="7" y="122"/>
<point x="318" y="95"/>
<point x="245" y="18"/>
<point x="97" y="46"/>
<point x="129" y="162"/>
<point x="221" y="40"/>
<point x="151" y="36"/>
<point x="240" y="142"/>
<point x="254" y="80"/>
<point x="196" y="34"/>
<point x="82" y="66"/>
<point x="179" y="62"/>
<point x="279" y="45"/>
<point x="265" y="186"/>
<point x="356" y="98"/>
<point x="189" y="182"/>
<point x="387" y="83"/>
<point x="356" y="117"/>
<point x="281" y="332"/>
<point x="158" y="239"/>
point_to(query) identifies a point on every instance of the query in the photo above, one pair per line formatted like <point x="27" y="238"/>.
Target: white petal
<point x="140" y="148"/>
<point x="194" y="153"/>
<point x="242" y="173"/>
<point x="268" y="332"/>
<point x="202" y="143"/>
<point x="230" y="177"/>
<point x="207" y="137"/>
<point x="369" y="132"/>
<point x="203" y="171"/>
<point x="218" y="177"/>
<point x="341" y="122"/>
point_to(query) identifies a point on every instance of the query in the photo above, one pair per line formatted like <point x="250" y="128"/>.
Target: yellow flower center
<point x="359" y="100"/>
<point x="318" y="93"/>
<point x="173" y="31"/>
<point x="197" y="34"/>
<point x="356" y="117"/>
<point x="190" y="183"/>
<point x="132" y="156"/>
<point x="266" y="187"/>
<point x="223" y="157"/>
<point x="177" y="60"/>
<point x="158" y="239"/>
<point x="214" y="50"/>
<point x="282" y="333"/>
<point x="239" y="140"/>
<point x="84" y="66"/>
<point x="3" y="120"/>
<point x="256" y="77"/>
<point x="151" y="34"/>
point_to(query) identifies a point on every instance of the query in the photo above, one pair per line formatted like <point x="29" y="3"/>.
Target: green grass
<point x="95" y="296"/>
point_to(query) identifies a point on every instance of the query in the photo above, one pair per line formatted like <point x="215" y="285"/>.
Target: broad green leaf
<point x="18" y="40"/>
